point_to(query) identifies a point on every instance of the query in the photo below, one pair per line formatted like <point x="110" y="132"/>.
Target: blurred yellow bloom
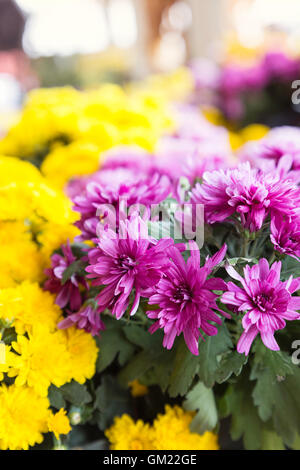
<point x="137" y="389"/>
<point x="170" y="431"/>
<point x="27" y="305"/>
<point x="23" y="417"/>
<point x="58" y="423"/>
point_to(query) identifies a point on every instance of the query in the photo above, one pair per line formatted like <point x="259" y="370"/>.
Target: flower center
<point x="263" y="302"/>
<point x="125" y="262"/>
<point x="182" y="294"/>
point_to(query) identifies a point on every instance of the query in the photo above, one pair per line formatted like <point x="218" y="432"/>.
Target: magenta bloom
<point x="280" y="66"/>
<point x="186" y="300"/>
<point x="108" y="187"/>
<point x="126" y="261"/>
<point x="87" y="319"/>
<point x="69" y="291"/>
<point x="246" y="192"/>
<point x="279" y="142"/>
<point x="285" y="235"/>
<point x="268" y="302"/>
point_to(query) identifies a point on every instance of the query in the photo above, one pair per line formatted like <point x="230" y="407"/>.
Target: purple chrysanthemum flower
<point x="280" y="66"/>
<point x="87" y="318"/>
<point x="267" y="301"/>
<point x="126" y="261"/>
<point x="279" y="142"/>
<point x="108" y="187"/>
<point x="68" y="292"/>
<point x="247" y="192"/>
<point x="285" y="235"/>
<point x="185" y="298"/>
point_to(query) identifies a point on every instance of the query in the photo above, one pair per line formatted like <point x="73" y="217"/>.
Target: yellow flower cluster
<point x="41" y="355"/>
<point x="170" y="431"/>
<point x="68" y="130"/>
<point x="22" y="425"/>
<point x="35" y="219"/>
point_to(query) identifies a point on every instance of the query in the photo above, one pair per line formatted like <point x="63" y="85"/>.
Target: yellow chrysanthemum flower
<point x="254" y="132"/>
<point x="49" y="116"/>
<point x="59" y="423"/>
<point x="23" y="417"/>
<point x="125" y="434"/>
<point x="172" y="432"/>
<point x="82" y="354"/>
<point x="5" y="359"/>
<point x="21" y="181"/>
<point x="17" y="240"/>
<point x="66" y="162"/>
<point x="52" y="235"/>
<point x="27" y="305"/>
<point x="41" y="359"/>
<point x="137" y="389"/>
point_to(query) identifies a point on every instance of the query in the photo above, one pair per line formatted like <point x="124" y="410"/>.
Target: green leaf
<point x="231" y="363"/>
<point x="111" y="400"/>
<point x="278" y="362"/>
<point x="75" y="393"/>
<point x="113" y="344"/>
<point x="290" y="266"/>
<point x="161" y="371"/>
<point x="185" y="368"/>
<point x="271" y="441"/>
<point x="138" y="366"/>
<point x="202" y="400"/>
<point x="78" y="268"/>
<point x="138" y="336"/>
<point x="79" y="250"/>
<point x="245" y="421"/>
<point x="210" y="352"/>
<point x="277" y="392"/>
<point x="56" y="398"/>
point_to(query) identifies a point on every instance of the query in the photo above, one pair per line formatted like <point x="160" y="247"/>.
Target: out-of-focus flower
<point x="137" y="389"/>
<point x="267" y="301"/>
<point x="109" y="189"/>
<point x="285" y="235"/>
<point x="185" y="298"/>
<point x="125" y="434"/>
<point x="58" y="423"/>
<point x="27" y="305"/>
<point x="67" y="292"/>
<point x="87" y="319"/>
<point x="279" y="142"/>
<point x="21" y="425"/>
<point x="170" y="431"/>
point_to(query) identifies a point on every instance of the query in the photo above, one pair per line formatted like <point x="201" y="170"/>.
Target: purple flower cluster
<point x="246" y="192"/>
<point x="234" y="79"/>
<point x="131" y="273"/>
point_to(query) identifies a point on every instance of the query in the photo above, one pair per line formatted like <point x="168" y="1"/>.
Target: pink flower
<point x="185" y="298"/>
<point x="108" y="187"/>
<point x="268" y="302"/>
<point x="279" y="142"/>
<point x="67" y="292"/>
<point x="285" y="235"/>
<point x="246" y="192"/>
<point x="87" y="319"/>
<point x="126" y="261"/>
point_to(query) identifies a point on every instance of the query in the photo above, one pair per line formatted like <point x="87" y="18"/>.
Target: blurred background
<point x="85" y="42"/>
